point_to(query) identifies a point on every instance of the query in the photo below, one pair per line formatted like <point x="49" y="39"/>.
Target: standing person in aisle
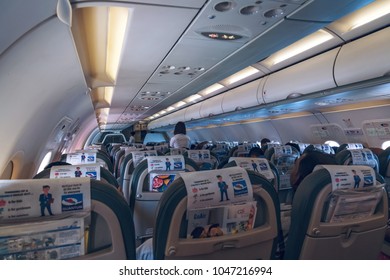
<point x="180" y="138"/>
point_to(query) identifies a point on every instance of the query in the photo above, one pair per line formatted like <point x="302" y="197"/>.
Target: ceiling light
<point x="162" y="112"/>
<point x="240" y="75"/>
<point x="370" y="13"/>
<point x="179" y="104"/>
<point x="170" y="108"/>
<point x="99" y="51"/>
<point x="311" y="41"/>
<point x="103" y="112"/>
<point x="211" y="89"/>
<point x="192" y="98"/>
<point x="102" y="97"/>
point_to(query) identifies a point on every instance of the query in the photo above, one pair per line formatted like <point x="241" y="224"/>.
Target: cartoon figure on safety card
<point x="46" y="199"/>
<point x="222" y="188"/>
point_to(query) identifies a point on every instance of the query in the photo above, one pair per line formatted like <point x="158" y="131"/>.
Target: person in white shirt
<point x="131" y="139"/>
<point x="180" y="139"/>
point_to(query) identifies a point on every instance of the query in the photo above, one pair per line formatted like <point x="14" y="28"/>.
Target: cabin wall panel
<point x="355" y="118"/>
<point x="41" y="82"/>
<point x="295" y="128"/>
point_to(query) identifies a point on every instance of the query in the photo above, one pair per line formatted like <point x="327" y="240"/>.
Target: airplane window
<point x="332" y="143"/>
<point x="45" y="161"/>
<point x="7" y="173"/>
<point x="385" y="145"/>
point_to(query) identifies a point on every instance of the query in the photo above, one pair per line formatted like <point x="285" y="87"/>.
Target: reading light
<point x="240" y="75"/>
<point x="211" y="89"/>
<point x="317" y="38"/>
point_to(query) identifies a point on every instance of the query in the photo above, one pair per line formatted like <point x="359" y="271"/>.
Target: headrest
<point x="44" y="218"/>
<point x="355" y="192"/>
<point x="73" y="171"/>
<point x="219" y="197"/>
<point x="259" y="165"/>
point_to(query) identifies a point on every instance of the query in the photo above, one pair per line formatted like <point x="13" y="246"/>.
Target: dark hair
<point x="256" y="152"/>
<point x="197" y="232"/>
<point x="46" y="187"/>
<point x="180" y="128"/>
<point x="306" y="163"/>
<point x="211" y="227"/>
<point x="56" y="163"/>
<point x="132" y="133"/>
<point x="264" y="141"/>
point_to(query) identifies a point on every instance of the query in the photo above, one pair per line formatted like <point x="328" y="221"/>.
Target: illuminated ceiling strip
<point x="240" y="75"/>
<point x="317" y="38"/>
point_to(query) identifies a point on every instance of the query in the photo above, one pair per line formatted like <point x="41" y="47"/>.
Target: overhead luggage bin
<point x="306" y="77"/>
<point x="192" y="112"/>
<point x="363" y="59"/>
<point x="211" y="107"/>
<point x="242" y="97"/>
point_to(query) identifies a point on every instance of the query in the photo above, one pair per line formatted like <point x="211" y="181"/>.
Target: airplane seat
<point x="384" y="163"/>
<point x="143" y="201"/>
<point x="345" y="146"/>
<point x="170" y="239"/>
<point x="283" y="157"/>
<point x="102" y="229"/>
<point x="384" y="170"/>
<point x="101" y="158"/>
<point x="358" y="157"/>
<point x="114" y="150"/>
<point x="232" y="151"/>
<point x="274" y="181"/>
<point x="125" y="172"/>
<point x="117" y="160"/>
<point x="100" y="245"/>
<point x="56" y="163"/>
<point x="105" y="176"/>
<point x="377" y="151"/>
<point x="330" y="223"/>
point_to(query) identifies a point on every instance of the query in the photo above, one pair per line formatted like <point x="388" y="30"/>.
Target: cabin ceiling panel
<point x="335" y="9"/>
<point x="140" y="56"/>
<point x="32" y="13"/>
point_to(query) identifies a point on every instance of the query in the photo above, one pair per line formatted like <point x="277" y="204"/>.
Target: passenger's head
<point x="180" y="128"/>
<point x="132" y="133"/>
<point x="256" y="152"/>
<point x="305" y="164"/>
<point x="264" y="142"/>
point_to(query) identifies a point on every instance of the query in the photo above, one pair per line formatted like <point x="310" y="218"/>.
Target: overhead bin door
<point x="242" y="97"/>
<point x="364" y="59"/>
<point x="192" y="112"/>
<point x="306" y="77"/>
<point x="211" y="107"/>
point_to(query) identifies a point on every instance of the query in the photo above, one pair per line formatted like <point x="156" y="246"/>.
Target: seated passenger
<point x="305" y="164"/>
<point x="264" y="143"/>
<point x="256" y="152"/>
